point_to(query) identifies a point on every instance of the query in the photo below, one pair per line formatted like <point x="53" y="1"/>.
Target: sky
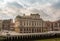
<point x="48" y="9"/>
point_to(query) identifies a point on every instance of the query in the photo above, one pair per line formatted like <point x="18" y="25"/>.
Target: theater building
<point x="28" y="24"/>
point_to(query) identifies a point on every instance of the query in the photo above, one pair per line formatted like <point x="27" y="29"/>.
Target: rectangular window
<point x="59" y="24"/>
<point x="24" y="23"/>
<point x="55" y="25"/>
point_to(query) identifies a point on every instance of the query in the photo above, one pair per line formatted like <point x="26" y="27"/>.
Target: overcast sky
<point x="48" y="9"/>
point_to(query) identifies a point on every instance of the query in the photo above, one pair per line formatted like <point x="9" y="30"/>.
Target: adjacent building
<point x="56" y="25"/>
<point x="1" y="24"/>
<point x="6" y="24"/>
<point x="48" y="26"/>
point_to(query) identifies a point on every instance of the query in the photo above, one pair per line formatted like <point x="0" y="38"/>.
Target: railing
<point x="49" y="34"/>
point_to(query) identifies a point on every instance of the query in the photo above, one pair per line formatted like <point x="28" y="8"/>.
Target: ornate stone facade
<point x="28" y="24"/>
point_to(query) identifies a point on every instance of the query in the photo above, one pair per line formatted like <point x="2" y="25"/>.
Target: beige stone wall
<point x="29" y="25"/>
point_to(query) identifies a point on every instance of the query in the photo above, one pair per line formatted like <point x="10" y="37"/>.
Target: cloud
<point x="48" y="9"/>
<point x="57" y="5"/>
<point x="15" y="4"/>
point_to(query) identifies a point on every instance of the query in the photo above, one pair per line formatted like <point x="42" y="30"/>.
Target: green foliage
<point x="54" y="39"/>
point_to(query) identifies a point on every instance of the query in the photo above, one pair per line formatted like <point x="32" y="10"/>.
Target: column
<point x="53" y="26"/>
<point x="58" y="27"/>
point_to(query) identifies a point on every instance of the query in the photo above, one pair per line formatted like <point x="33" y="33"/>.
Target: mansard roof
<point x="18" y="16"/>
